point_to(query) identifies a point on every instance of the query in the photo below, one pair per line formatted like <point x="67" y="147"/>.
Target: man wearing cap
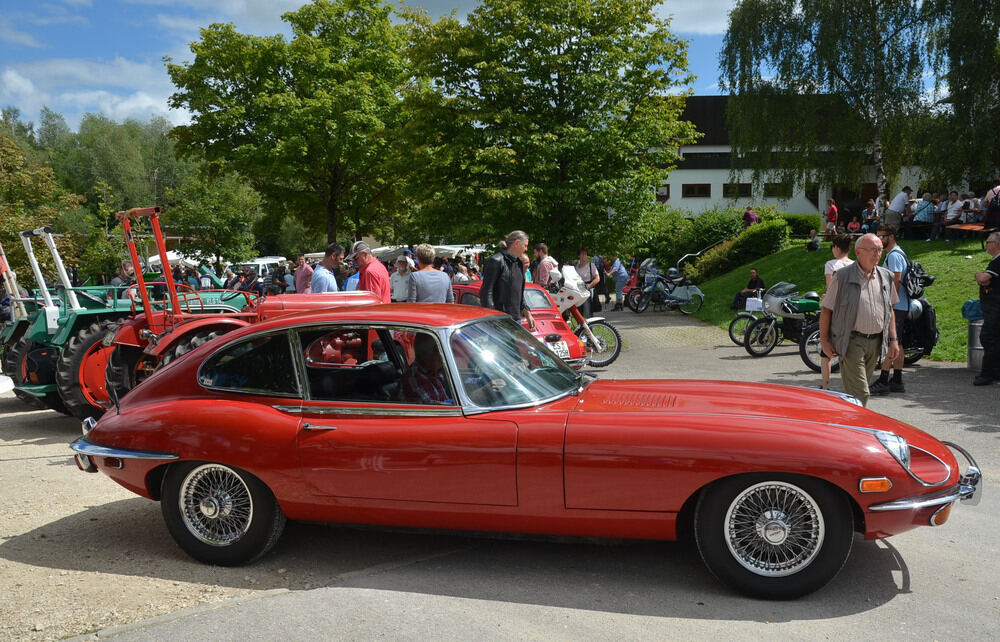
<point x="372" y="274"/>
<point x="323" y="277"/>
<point x="899" y="205"/>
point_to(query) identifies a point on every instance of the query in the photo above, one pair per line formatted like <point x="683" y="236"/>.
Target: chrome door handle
<point x="309" y="426"/>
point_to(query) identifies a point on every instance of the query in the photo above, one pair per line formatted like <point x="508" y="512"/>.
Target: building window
<point x="737" y="190"/>
<point x="663" y="194"/>
<point x="777" y="190"/>
<point x="696" y="190"/>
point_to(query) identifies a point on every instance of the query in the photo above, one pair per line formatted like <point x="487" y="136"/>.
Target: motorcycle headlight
<point x="896" y="446"/>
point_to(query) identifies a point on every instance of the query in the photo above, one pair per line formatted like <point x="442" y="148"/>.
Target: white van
<point x="262" y="265"/>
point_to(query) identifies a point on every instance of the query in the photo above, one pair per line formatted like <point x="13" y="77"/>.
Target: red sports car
<point x="549" y="324"/>
<point x="476" y="425"/>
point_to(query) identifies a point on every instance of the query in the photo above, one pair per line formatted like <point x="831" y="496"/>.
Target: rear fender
<point x="190" y="328"/>
<point x="128" y="332"/>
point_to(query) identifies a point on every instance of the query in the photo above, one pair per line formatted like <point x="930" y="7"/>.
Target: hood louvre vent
<point x="640" y="400"/>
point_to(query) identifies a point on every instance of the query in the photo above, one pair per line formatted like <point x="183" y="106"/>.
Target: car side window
<point x="260" y="365"/>
<point x="372" y="365"/>
<point x="468" y="298"/>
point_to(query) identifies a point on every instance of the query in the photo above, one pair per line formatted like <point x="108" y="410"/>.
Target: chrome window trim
<point x="84" y="447"/>
<point x="434" y="331"/>
<point x="355" y="410"/>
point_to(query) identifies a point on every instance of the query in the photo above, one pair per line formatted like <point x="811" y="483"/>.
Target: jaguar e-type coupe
<point x="455" y="417"/>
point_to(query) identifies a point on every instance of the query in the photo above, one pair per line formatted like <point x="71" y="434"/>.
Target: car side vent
<point x="641" y="400"/>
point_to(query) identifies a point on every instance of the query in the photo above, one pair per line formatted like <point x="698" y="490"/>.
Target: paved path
<point x="926" y="584"/>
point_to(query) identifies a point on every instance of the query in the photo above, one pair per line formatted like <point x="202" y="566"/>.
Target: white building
<point x="702" y="179"/>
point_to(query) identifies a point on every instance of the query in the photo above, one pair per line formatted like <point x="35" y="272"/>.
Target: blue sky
<point x="79" y="56"/>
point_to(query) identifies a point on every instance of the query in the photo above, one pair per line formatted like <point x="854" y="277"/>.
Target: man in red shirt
<point x="372" y="275"/>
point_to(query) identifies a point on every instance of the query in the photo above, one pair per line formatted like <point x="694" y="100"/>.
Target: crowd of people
<point x="934" y="213"/>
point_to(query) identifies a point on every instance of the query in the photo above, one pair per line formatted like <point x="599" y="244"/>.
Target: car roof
<point x="427" y="314"/>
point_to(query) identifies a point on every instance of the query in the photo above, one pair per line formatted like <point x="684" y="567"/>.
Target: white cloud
<point x="10" y="35"/>
<point x="182" y="24"/>
<point x="705" y="17"/>
<point x="57" y="15"/>
<point x="139" y="105"/>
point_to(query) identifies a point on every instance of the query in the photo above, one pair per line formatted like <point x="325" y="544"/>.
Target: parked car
<point x="324" y="416"/>
<point x="549" y="324"/>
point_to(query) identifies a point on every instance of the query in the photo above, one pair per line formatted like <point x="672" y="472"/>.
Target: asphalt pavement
<point x="926" y="584"/>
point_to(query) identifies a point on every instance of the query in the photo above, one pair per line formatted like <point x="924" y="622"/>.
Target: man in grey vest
<point x="857" y="320"/>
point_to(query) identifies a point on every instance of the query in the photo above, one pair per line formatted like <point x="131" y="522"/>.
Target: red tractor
<point x="171" y="325"/>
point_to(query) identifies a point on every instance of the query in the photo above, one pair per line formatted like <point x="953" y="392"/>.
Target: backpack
<point x="992" y="217"/>
<point x="915" y="279"/>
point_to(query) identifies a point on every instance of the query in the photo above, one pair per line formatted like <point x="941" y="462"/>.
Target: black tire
<point x="912" y="355"/>
<point x="608" y="335"/>
<point x="761" y="337"/>
<point x="13" y="358"/>
<point x="70" y="387"/>
<point x="219" y="514"/>
<point x="774" y="536"/>
<point x="632" y="299"/>
<point x="124" y="370"/>
<point x="811" y="351"/>
<point x="26" y="356"/>
<point x="643" y="301"/>
<point x="187" y="344"/>
<point x="693" y="305"/>
<point x="738" y="326"/>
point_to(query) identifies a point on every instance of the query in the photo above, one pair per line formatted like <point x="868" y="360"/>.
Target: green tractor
<point x="45" y="348"/>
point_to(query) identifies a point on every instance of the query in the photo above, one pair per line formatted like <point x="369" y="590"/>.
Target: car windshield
<point x="501" y="364"/>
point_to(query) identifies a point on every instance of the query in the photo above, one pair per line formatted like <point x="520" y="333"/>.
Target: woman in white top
<point x="591" y="277"/>
<point x="841" y="248"/>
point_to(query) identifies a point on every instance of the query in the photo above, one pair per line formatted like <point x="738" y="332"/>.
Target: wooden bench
<point x="976" y="228"/>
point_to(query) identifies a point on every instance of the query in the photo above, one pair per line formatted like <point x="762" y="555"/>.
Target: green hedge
<point x="751" y="244"/>
<point x="800" y="224"/>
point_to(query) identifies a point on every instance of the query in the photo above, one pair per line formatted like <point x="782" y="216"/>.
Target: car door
<point x="363" y="437"/>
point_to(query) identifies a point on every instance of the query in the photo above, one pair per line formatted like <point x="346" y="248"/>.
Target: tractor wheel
<point x="30" y="363"/>
<point x="81" y="372"/>
<point x="125" y="370"/>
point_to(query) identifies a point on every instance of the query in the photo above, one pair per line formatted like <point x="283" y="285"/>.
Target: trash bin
<point x="975" y="345"/>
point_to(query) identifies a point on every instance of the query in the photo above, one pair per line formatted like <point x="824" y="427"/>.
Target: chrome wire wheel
<point x="774" y="529"/>
<point x="215" y="504"/>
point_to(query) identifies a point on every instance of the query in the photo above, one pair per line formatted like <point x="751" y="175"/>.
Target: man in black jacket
<point x="503" y="279"/>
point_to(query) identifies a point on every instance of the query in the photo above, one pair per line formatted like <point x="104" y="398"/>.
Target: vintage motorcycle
<point x="670" y="291"/>
<point x="602" y="340"/>
<point x="786" y="316"/>
<point x="920" y="335"/>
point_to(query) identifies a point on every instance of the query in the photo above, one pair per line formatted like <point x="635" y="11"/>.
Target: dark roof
<point x="708" y="114"/>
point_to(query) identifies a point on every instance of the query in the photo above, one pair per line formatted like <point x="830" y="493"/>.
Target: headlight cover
<point x="896" y="446"/>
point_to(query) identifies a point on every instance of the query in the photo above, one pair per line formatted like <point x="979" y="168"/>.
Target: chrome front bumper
<point x="87" y="451"/>
<point x="967" y="490"/>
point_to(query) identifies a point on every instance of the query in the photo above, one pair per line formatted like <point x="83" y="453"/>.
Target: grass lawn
<point x="947" y="261"/>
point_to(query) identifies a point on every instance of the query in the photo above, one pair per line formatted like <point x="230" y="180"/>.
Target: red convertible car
<point x="549" y="324"/>
<point x="476" y="425"/>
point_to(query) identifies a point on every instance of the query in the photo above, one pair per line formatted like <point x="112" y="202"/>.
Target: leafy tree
<point x="308" y="121"/>
<point x="215" y="215"/>
<point x="29" y="198"/>
<point x="554" y="116"/>
<point x="821" y="89"/>
<point x="963" y="139"/>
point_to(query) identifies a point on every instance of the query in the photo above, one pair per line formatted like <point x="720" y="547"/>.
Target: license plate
<point x="560" y="348"/>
